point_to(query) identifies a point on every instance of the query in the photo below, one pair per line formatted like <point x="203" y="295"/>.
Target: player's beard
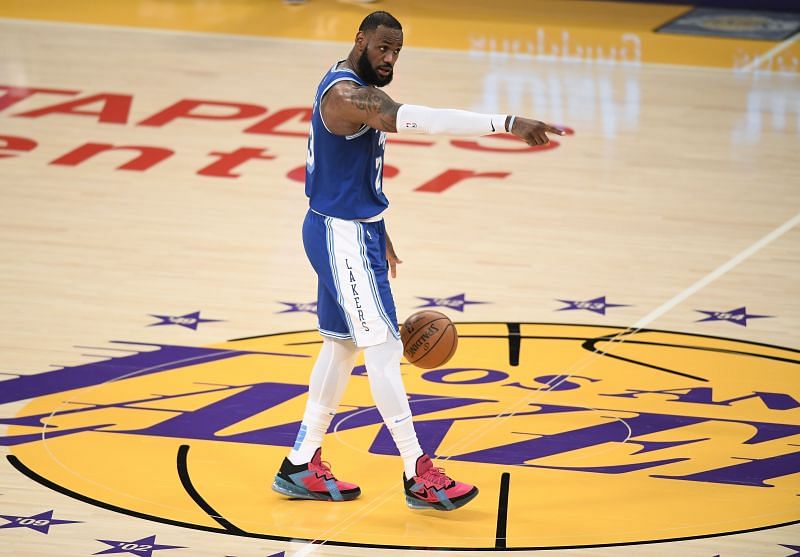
<point x="368" y="73"/>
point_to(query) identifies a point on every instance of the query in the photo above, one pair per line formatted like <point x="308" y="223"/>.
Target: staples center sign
<point x="257" y="121"/>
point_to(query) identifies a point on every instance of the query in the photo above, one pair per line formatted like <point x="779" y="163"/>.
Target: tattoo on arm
<point x="376" y="104"/>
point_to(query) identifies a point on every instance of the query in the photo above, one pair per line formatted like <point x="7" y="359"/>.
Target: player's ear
<point x="361" y="39"/>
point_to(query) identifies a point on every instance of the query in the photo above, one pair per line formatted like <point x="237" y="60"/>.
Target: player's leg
<point x="329" y="377"/>
<point x="330" y="374"/>
<point x="302" y="473"/>
<point x="425" y="485"/>
<point x="383" y="370"/>
<point x="358" y="262"/>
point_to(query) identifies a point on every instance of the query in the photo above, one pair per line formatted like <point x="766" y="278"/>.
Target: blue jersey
<point x="344" y="174"/>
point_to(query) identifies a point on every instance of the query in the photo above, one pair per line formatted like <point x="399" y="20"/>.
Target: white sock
<point x="316" y="421"/>
<point x="325" y="389"/>
<point x="405" y="437"/>
<point x="383" y="370"/>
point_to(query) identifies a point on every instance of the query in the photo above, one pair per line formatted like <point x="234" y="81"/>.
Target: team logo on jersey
<point x="577" y="436"/>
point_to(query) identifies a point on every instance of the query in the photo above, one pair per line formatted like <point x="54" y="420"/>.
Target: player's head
<point x="378" y="43"/>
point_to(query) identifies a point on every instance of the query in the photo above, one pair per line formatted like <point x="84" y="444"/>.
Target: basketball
<point x="429" y="339"/>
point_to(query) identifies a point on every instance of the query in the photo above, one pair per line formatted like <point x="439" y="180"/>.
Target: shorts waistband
<point x="376" y="218"/>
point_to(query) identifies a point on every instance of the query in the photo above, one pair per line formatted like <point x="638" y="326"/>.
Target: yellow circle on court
<point x="576" y="435"/>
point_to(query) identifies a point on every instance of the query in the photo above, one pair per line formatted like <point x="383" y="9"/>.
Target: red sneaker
<point x="431" y="488"/>
<point x="312" y="481"/>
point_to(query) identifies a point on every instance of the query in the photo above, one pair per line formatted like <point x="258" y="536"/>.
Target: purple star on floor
<point x="310" y="307"/>
<point x="40" y="522"/>
<point x="795" y="548"/>
<point x="142" y="548"/>
<point x="190" y="320"/>
<point x="456" y="302"/>
<point x="738" y="316"/>
<point x="597" y="305"/>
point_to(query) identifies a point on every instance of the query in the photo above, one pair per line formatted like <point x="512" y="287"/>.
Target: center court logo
<point x="575" y="438"/>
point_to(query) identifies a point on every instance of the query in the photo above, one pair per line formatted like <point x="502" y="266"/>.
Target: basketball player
<point x="345" y="239"/>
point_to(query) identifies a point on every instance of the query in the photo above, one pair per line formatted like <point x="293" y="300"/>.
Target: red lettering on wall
<point x="147" y="157"/>
<point x="228" y="161"/>
<point x="187" y="108"/>
<point x="520" y="146"/>
<point x="114" y="110"/>
<point x="270" y="124"/>
<point x="451" y="177"/>
<point x="14" y="143"/>
<point x="15" y="94"/>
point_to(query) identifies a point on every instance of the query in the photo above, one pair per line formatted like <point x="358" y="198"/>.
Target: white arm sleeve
<point x="412" y="118"/>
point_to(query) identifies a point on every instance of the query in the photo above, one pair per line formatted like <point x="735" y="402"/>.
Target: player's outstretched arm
<point x="422" y="119"/>
<point x="348" y="106"/>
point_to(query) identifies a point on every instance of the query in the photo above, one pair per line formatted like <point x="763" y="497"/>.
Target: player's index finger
<point x="552" y="129"/>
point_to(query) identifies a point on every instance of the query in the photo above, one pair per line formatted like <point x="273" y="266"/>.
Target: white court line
<point x="310" y="547"/>
<point x="758" y="60"/>
<point x="718" y="272"/>
<point x="620" y="337"/>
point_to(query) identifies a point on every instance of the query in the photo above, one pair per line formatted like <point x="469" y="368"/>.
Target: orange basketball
<point x="429" y="339"/>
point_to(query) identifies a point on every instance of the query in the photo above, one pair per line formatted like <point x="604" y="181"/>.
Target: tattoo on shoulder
<point x="374" y="102"/>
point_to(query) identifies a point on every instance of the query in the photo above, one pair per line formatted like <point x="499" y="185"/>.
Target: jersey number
<point x="310" y="157"/>
<point x="378" y="167"/>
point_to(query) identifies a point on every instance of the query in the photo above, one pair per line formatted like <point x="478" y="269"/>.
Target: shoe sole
<point x="294" y="491"/>
<point x="419" y="505"/>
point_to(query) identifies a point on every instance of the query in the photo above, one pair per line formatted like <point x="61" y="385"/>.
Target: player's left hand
<point x="391" y="257"/>
<point x="534" y="132"/>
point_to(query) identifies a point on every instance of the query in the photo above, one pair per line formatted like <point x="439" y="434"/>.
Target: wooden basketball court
<point x="627" y="298"/>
